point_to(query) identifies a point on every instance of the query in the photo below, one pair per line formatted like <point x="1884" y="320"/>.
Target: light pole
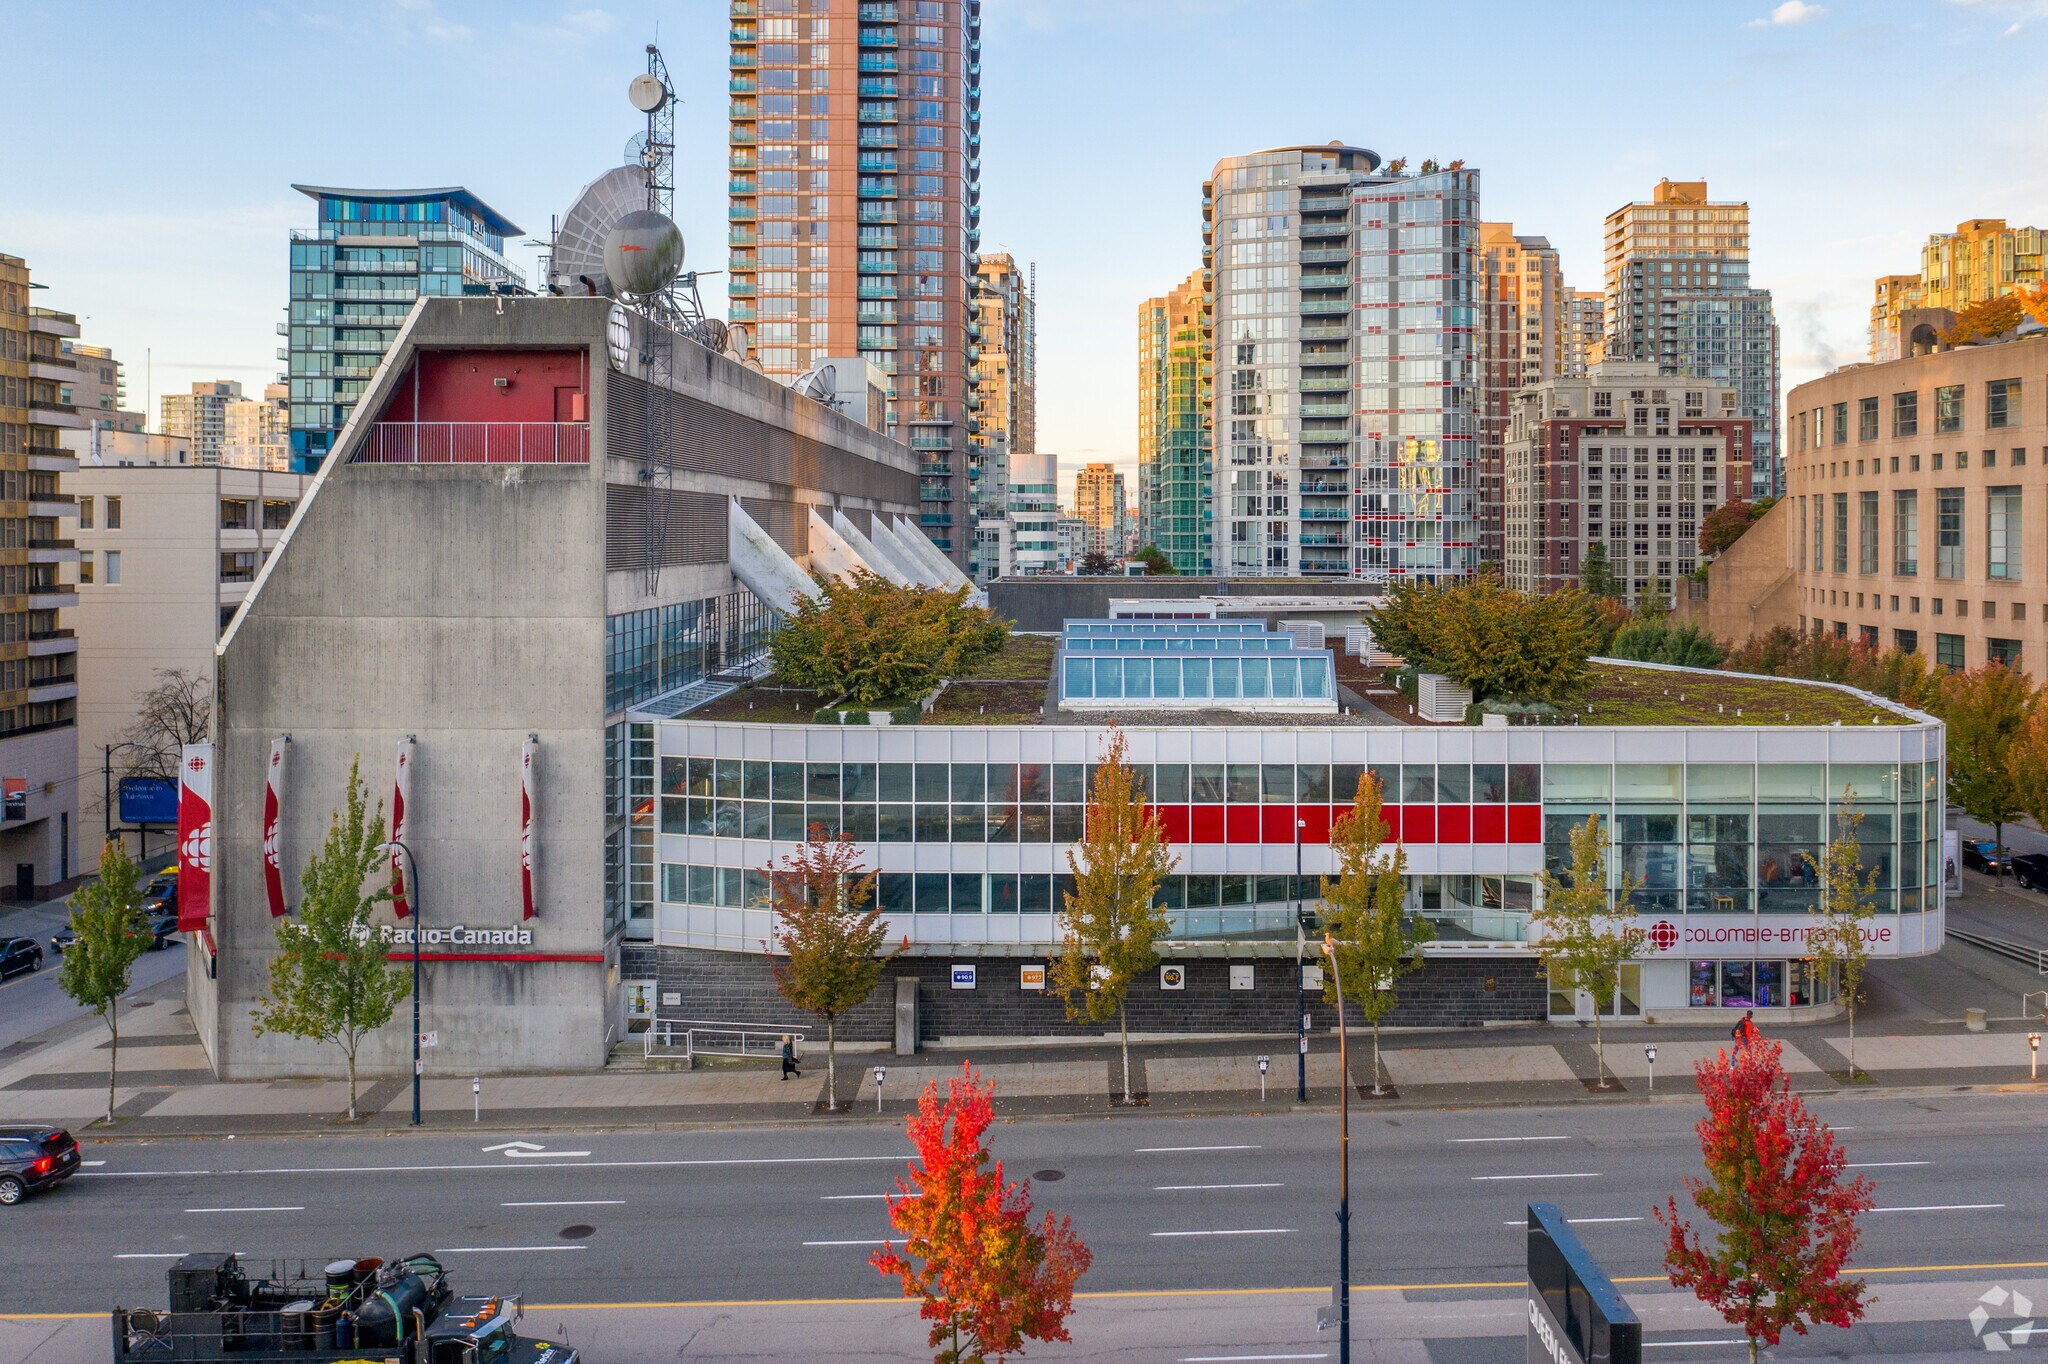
<point x="418" y="931"/>
<point x="1343" y="1165"/>
<point x="1300" y="992"/>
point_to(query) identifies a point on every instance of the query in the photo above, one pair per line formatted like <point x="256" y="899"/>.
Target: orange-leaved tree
<point x="829" y="934"/>
<point x="990" y="1280"/>
<point x="1774" y="1186"/>
<point x="1983" y="321"/>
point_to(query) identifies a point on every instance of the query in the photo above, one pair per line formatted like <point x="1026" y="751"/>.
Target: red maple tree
<point x="1774" y="1186"/>
<point x="989" y="1279"/>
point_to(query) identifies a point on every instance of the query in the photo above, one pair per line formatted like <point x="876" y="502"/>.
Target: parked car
<point x="60" y="940"/>
<point x="20" y="955"/>
<point x="34" y="1157"/>
<point x="2030" y="870"/>
<point x="162" y="924"/>
<point x="1984" y="854"/>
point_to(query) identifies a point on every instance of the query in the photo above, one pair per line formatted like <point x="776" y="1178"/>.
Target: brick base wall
<point x="728" y="987"/>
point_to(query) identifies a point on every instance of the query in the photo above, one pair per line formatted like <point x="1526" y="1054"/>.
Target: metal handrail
<point x="669" y="1033"/>
<point x="391" y="442"/>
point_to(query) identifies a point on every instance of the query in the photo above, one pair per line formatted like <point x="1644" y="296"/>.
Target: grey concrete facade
<point x="1044" y="604"/>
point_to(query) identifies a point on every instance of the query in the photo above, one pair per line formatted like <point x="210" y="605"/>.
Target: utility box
<point x="906" y="1015"/>
<point x="1441" y="700"/>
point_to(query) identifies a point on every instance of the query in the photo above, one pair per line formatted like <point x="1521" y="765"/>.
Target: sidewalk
<point x="166" y="1089"/>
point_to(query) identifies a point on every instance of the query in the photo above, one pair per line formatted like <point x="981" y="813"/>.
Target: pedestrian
<point x="1746" y="1033"/>
<point x="789" y="1067"/>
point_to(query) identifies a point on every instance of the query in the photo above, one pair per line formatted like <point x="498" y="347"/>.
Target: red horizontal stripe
<point x="1411" y="824"/>
<point x="404" y="956"/>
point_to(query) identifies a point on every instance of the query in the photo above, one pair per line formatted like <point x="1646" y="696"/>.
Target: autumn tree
<point x="1504" y="645"/>
<point x="1992" y="318"/>
<point x="1097" y="564"/>
<point x="877" y="644"/>
<point x="1786" y="1218"/>
<point x="1110" y="924"/>
<point x="2034" y="301"/>
<point x="1783" y="651"/>
<point x="1986" y="710"/>
<point x="108" y="934"/>
<point x="332" y="979"/>
<point x="1848" y="900"/>
<point x="989" y="1280"/>
<point x="1374" y="939"/>
<point x="829" y="934"/>
<point x="2030" y="766"/>
<point x="1584" y="934"/>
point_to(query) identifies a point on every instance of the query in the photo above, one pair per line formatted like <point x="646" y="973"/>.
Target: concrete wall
<point x="1042" y="604"/>
<point x="1751" y="588"/>
<point x="48" y="761"/>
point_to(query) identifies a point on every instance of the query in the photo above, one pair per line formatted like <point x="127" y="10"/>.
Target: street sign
<point x="148" y="800"/>
<point x="963" y="976"/>
<point x="1031" y="976"/>
<point x="430" y="1039"/>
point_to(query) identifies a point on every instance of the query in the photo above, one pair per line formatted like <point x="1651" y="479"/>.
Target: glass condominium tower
<point x="1343" y="347"/>
<point x="855" y="212"/>
<point x="357" y="274"/>
<point x="1173" y="425"/>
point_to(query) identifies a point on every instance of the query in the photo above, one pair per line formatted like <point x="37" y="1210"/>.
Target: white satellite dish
<point x="739" y="340"/>
<point x="821" y="383"/>
<point x="646" y="93"/>
<point x="576" y="264"/>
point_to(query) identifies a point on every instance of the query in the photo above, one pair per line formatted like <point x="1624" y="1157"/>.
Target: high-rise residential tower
<point x="1008" y="402"/>
<point x="1173" y="425"/>
<point x="355" y="276"/>
<point x="201" y="416"/>
<point x="259" y="431"/>
<point x="1100" y="504"/>
<point x="1679" y="296"/>
<point x="100" y="390"/>
<point x="856" y="208"/>
<point x="1522" y="318"/>
<point x="1344" y="346"/>
<point x="1585" y="331"/>
<point x="1981" y="260"/>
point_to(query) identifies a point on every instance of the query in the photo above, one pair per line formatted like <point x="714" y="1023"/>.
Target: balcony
<point x="876" y="137"/>
<point x="1336" y="229"/>
<point x="742" y="85"/>
<point x="476" y="443"/>
<point x="879" y="64"/>
<point x="741" y="135"/>
<point x="1326" y="513"/>
<point x="1326" y="255"/>
<point x="744" y="61"/>
<point x="1325" y="305"/>
<point x="1335" y="383"/>
<point x="1326" y="489"/>
<point x="882" y="211"/>
<point x="873" y="240"/>
<point x="740" y="236"/>
<point x="1326" y="279"/>
<point x="877" y="163"/>
<point x="1310" y="332"/>
<point x="741" y="213"/>
<point x="1324" y="203"/>
<point x="874" y="288"/>
<point x="877" y="113"/>
<point x="52" y="689"/>
<point x="923" y="442"/>
<point x="878" y="13"/>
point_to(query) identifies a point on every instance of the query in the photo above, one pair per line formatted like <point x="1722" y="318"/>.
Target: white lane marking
<point x="1582" y="1174"/>
<point x="1885" y="1164"/>
<point x="1163" y="1150"/>
<point x="1575" y="1221"/>
<point x="152" y="1255"/>
<point x="526" y="1150"/>
<point x="1473" y="1141"/>
<point x="570" y="1203"/>
<point x="850" y="1197"/>
<point x="1671" y="1344"/>
<point x="484" y="1165"/>
<point x="1231" y="1359"/>
<point x="498" y="1250"/>
<point x="1185" y="1188"/>
<point x="846" y="1243"/>
<point x="1239" y="1231"/>
<point x="92" y="1162"/>
<point x="291" y="1208"/>
<point x="1944" y="1207"/>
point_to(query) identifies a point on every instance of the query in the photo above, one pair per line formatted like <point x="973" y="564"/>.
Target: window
<point x="1905" y="532"/>
<point x="1948" y="409"/>
<point x="277" y="513"/>
<point x="1841" y="423"/>
<point x="113" y="513"/>
<point x="238" y="567"/>
<point x="1841" y="560"/>
<point x="1948" y="651"/>
<point x="2006" y="651"/>
<point x="2002" y="403"/>
<point x="113" y="561"/>
<point x="85" y="566"/>
<point x="1866" y="533"/>
<point x="2002" y="532"/>
<point x="85" y="512"/>
<point x="1866" y="419"/>
<point x="1906" y="641"/>
<point x="1948" y="533"/>
<point x="1905" y="414"/>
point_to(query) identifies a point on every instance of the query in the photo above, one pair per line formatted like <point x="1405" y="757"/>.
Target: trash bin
<point x="1973" y="1019"/>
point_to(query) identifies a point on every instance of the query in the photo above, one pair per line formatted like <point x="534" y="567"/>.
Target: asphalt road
<point x="719" y="1225"/>
<point x="32" y="1004"/>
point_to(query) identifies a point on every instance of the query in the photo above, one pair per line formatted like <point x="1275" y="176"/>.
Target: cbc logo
<point x="1173" y="977"/>
<point x="1663" y="936"/>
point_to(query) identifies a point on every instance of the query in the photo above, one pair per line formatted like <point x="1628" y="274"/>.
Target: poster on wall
<point x="1031" y="976"/>
<point x="1173" y="977"/>
<point x="1241" y="977"/>
<point x="1951" y="862"/>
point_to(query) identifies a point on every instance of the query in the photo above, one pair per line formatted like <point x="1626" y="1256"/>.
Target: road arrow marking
<point x="509" y="1146"/>
<point x="526" y="1150"/>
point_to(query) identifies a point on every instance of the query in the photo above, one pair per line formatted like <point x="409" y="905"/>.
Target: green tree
<point x="1374" y="939"/>
<point x="1986" y="710"/>
<point x="1157" y="565"/>
<point x="830" y="934"/>
<point x="1585" y="935"/>
<point x="1848" y="901"/>
<point x="1111" y="924"/>
<point x="1596" y="572"/>
<point x="332" y="979"/>
<point x="878" y="644"/>
<point x="1659" y="641"/>
<point x="1504" y="645"/>
<point x="1654" y="602"/>
<point x="108" y="934"/>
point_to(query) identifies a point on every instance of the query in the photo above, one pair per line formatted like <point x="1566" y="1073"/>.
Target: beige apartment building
<point x="1917" y="504"/>
<point x="1522" y="314"/>
<point x="166" y="553"/>
<point x="1981" y="260"/>
<point x="1101" y="506"/>
<point x="257" y="432"/>
<point x="202" y="416"/>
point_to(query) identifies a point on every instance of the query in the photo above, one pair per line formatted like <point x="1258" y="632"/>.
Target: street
<point x="744" y="1237"/>
<point x="33" y="1004"/>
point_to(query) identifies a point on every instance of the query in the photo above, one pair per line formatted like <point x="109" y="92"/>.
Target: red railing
<point x="476" y="443"/>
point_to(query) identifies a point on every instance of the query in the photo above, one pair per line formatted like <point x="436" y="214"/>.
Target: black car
<point x="1984" y="854"/>
<point x="18" y="955"/>
<point x="2031" y="870"/>
<point x="33" y="1157"/>
<point x="162" y="924"/>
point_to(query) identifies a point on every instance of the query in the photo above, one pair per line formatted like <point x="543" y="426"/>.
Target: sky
<point x="152" y="191"/>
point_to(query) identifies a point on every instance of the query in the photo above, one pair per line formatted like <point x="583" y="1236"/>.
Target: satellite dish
<point x="820" y="383"/>
<point x="646" y="93"/>
<point x="739" y="340"/>
<point x="643" y="252"/>
<point x="576" y="264"/>
<point x="636" y="151"/>
<point x="707" y="332"/>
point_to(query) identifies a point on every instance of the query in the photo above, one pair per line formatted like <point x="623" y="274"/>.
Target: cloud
<point x="2012" y="32"/>
<point x="588" y="21"/>
<point x="1790" y="13"/>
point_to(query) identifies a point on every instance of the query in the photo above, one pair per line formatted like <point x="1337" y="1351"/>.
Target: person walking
<point x="1746" y="1033"/>
<point x="789" y="1066"/>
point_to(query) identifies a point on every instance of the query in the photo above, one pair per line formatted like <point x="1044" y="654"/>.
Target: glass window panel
<point x="1034" y="781"/>
<point x="756" y="820"/>
<point x="1287" y="678"/>
<point x="1034" y="894"/>
<point x="1078" y="677"/>
<point x="1866" y="781"/>
<point x="1002" y="894"/>
<point x="1418" y="784"/>
<point x="857" y="782"/>
<point x="1737" y="985"/>
<point x="1201" y="892"/>
<point x="967" y="893"/>
<point x="675" y="776"/>
<point x="725" y="818"/>
<point x="1647" y="781"/>
<point x="970" y="782"/>
<point x="933" y="784"/>
<point x="857" y="822"/>
<point x="788" y="781"/>
<point x="1173" y="893"/>
<point x="1453" y="784"/>
<point x="1002" y="782"/>
<point x="1315" y="678"/>
<point x="1036" y="825"/>
<point x="1195" y="679"/>
<point x="1067" y="823"/>
<point x="1312" y="783"/>
<point x="756" y="884"/>
<point x="730" y="887"/>
<point x="1166" y="677"/>
<point x="894" y="783"/>
<point x="1257" y="681"/>
<point x="821" y="817"/>
<point x="1235" y="890"/>
<point x="726" y="780"/>
<point x="1173" y="784"/>
<point x="1344" y="782"/>
<point x="1791" y="781"/>
<point x="1525" y="783"/>
<point x="1206" y="784"/>
<point x="1276" y="783"/>
<point x="703" y="890"/>
<point x="1244" y="783"/>
<point x="700" y="776"/>
<point x="931" y="823"/>
<point x="675" y="883"/>
<point x="700" y="816"/>
<point x="1226" y="685"/>
<point x="894" y="823"/>
<point x="934" y="892"/>
<point x="1705" y="982"/>
<point x="1109" y="678"/>
<point x="675" y="815"/>
<point x="1070" y="781"/>
<point x="1002" y="823"/>
<point x="1575" y="781"/>
<point x="1138" y="677"/>
<point x="892" y="892"/>
<point x="968" y="824"/>
<point x="754" y="781"/>
<point x="789" y="821"/>
<point x="1489" y="783"/>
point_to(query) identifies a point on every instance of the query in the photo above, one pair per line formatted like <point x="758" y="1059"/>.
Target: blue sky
<point x="151" y="188"/>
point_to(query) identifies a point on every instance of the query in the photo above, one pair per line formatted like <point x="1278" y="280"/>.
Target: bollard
<point x="2033" y="1056"/>
<point x="1650" y="1059"/>
<point x="1264" y="1062"/>
<point x="476" y="1089"/>
<point x="881" y="1074"/>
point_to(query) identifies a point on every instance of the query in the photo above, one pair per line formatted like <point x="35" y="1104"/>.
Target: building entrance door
<point x="24" y="881"/>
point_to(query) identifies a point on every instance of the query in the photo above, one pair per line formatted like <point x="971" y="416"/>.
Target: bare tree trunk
<point x="1123" y="1026"/>
<point x="1376" y="1056"/>
<point x="1752" y="1350"/>
<point x="113" y="1053"/>
<point x="1852" y="1041"/>
<point x="351" y="1084"/>
<point x="1599" y="1049"/>
<point x="831" y="1066"/>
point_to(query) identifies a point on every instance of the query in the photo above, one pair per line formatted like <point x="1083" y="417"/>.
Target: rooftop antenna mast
<point x="655" y="150"/>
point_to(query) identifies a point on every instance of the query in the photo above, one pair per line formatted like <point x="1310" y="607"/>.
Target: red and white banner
<point x="526" y="815"/>
<point x="273" y="827"/>
<point x="195" y="836"/>
<point x="401" y="823"/>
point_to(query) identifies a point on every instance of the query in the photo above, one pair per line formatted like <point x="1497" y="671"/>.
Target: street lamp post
<point x="1300" y="992"/>
<point x="418" y="931"/>
<point x="1343" y="1165"/>
<point x="107" y="797"/>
